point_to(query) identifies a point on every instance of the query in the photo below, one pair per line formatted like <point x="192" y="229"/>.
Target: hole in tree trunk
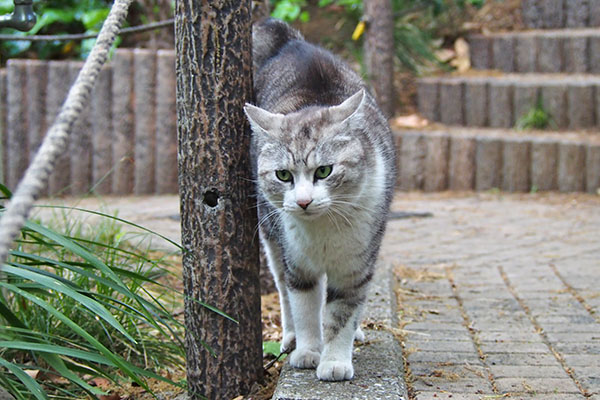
<point x="211" y="198"/>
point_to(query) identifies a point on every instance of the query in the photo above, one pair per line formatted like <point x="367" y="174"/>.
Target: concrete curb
<point x="379" y="370"/>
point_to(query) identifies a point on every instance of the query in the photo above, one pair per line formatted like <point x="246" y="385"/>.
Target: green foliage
<point x="293" y="10"/>
<point x="534" y="189"/>
<point x="476" y="3"/>
<point x="55" y="17"/>
<point x="272" y="348"/>
<point x="84" y="301"/>
<point x="6" y="6"/>
<point x="290" y="10"/>
<point x="440" y="6"/>
<point x="413" y="46"/>
<point x="352" y="8"/>
<point x="417" y="22"/>
<point x="536" y="118"/>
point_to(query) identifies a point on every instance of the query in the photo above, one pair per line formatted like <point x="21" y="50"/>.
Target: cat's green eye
<point x="323" y="171"/>
<point x="284" y="175"/>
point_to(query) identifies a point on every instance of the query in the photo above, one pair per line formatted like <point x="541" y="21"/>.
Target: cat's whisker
<point x="350" y="196"/>
<point x="352" y="204"/>
<point x="267" y="202"/>
<point x="343" y="200"/>
<point x="332" y="219"/>
<point x="247" y="179"/>
<point x="263" y="220"/>
<point x="345" y="197"/>
<point x="339" y="212"/>
<point x="266" y="217"/>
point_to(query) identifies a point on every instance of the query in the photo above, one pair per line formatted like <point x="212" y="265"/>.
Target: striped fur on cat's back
<point x="324" y="163"/>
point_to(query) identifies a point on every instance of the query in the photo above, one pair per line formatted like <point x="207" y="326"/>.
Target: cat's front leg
<point x="277" y="267"/>
<point x="306" y="298"/>
<point x="342" y="316"/>
<point x="288" y="342"/>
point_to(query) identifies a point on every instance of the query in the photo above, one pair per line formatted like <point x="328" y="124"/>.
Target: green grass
<point x="77" y="300"/>
<point x="536" y="118"/>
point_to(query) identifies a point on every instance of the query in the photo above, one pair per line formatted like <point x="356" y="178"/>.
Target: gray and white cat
<point x="325" y="168"/>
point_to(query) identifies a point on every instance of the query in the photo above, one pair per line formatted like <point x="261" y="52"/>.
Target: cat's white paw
<point x="288" y="343"/>
<point x="305" y="358"/>
<point x="359" y="335"/>
<point x="335" y="371"/>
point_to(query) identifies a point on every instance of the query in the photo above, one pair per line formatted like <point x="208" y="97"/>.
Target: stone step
<point x="567" y="50"/>
<point x="498" y="101"/>
<point x="456" y="158"/>
<point x="552" y="14"/>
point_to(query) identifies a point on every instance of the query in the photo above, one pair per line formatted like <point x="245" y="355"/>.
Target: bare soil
<point x="260" y="391"/>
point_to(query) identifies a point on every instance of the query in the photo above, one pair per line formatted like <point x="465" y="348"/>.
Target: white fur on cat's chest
<point x="326" y="247"/>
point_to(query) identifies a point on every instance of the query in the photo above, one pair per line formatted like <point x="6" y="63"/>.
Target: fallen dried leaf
<point x="55" y="378"/>
<point x="33" y="373"/>
<point x="411" y="121"/>
<point x="100" y="382"/>
<point x="112" y="396"/>
<point x="462" y="61"/>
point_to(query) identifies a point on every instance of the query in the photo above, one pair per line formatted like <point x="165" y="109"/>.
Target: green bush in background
<point x="417" y="23"/>
<point x="56" y="17"/>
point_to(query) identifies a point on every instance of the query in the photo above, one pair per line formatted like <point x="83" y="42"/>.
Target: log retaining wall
<point x="124" y="143"/>
<point x="485" y="159"/>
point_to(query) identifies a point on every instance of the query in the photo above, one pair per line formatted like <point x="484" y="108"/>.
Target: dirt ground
<point x="260" y="391"/>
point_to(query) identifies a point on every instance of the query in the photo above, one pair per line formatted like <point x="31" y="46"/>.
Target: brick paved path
<point x="499" y="294"/>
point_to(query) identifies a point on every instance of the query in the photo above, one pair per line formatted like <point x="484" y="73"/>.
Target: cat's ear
<point x="350" y="106"/>
<point x="262" y="120"/>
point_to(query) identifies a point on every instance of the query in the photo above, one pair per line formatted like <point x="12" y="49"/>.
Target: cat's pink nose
<point x="303" y="203"/>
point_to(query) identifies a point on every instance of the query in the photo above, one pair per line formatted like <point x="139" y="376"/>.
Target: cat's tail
<point x="268" y="37"/>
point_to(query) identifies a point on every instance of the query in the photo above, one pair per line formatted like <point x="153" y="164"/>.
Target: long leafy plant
<point x="84" y="303"/>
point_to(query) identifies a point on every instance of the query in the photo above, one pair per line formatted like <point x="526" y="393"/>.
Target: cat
<point x="324" y="163"/>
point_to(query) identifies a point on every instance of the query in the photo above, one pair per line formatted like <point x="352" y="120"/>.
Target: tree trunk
<point x="379" y="52"/>
<point x="218" y="214"/>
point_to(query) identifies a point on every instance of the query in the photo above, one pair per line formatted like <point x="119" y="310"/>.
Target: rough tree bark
<point x="218" y="217"/>
<point x="379" y="52"/>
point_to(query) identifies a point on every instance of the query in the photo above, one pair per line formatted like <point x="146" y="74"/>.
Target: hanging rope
<point x="56" y="140"/>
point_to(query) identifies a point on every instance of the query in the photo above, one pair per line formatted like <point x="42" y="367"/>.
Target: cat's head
<point x="311" y="162"/>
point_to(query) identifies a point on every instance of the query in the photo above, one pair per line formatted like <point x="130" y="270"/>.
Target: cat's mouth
<point x="308" y="213"/>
